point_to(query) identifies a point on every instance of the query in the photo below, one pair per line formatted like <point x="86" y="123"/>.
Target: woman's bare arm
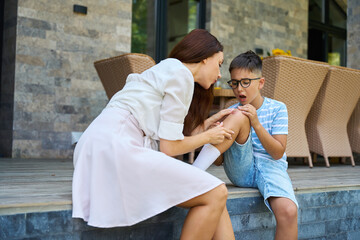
<point x="214" y="136"/>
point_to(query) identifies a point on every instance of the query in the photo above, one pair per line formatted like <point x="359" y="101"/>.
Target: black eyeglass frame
<point x="241" y="82"/>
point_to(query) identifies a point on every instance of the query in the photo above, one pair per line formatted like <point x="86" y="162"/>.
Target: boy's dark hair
<point x="249" y="61"/>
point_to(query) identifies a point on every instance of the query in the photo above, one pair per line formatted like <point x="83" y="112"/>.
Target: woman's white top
<point x="159" y="98"/>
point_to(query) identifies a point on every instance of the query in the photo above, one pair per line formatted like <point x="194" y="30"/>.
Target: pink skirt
<point x="119" y="182"/>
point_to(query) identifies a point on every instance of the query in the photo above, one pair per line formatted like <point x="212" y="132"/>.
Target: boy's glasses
<point x="244" y="82"/>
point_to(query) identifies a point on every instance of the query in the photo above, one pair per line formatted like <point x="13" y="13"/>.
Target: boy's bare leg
<point x="205" y="212"/>
<point x="240" y="124"/>
<point x="285" y="212"/>
<point x="224" y="230"/>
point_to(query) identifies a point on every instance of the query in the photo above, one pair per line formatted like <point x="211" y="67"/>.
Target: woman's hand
<point x="212" y="121"/>
<point x="214" y="135"/>
<point x="217" y="118"/>
<point x="218" y="133"/>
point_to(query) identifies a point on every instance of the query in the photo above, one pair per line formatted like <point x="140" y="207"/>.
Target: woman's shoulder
<point x="169" y="62"/>
<point x="171" y="67"/>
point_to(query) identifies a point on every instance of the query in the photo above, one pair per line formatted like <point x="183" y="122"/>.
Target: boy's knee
<point x="288" y="213"/>
<point x="242" y="118"/>
<point x="243" y="126"/>
<point x="237" y="118"/>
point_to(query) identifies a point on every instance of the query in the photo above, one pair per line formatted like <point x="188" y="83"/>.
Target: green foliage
<point x="192" y="22"/>
<point x="139" y="26"/>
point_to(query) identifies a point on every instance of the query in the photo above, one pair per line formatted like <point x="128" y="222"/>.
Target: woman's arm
<point x="211" y="121"/>
<point x="214" y="136"/>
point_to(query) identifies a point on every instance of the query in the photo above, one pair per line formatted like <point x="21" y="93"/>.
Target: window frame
<point x="327" y="29"/>
<point x="161" y="26"/>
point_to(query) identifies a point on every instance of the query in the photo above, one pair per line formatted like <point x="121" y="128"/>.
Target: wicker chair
<point x="296" y="82"/>
<point x="326" y="126"/>
<point x="114" y="71"/>
<point x="354" y="129"/>
<point x="230" y="102"/>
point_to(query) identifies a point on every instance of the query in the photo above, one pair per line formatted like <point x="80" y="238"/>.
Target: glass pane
<point x="316" y="45"/>
<point x="182" y="18"/>
<point x="193" y="15"/>
<point x="336" y="15"/>
<point x="316" y="10"/>
<point x="143" y="27"/>
<point x="336" y="51"/>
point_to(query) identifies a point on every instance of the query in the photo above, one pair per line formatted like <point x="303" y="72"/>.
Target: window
<point x="139" y="26"/>
<point x="327" y="32"/>
<point x="157" y="25"/>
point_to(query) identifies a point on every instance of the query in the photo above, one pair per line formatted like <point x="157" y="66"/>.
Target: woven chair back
<point x="296" y="82"/>
<point x="354" y="129"/>
<point x="114" y="71"/>
<point x="230" y="102"/>
<point x="327" y="122"/>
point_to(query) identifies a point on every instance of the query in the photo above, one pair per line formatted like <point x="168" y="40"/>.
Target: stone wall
<point x="250" y="24"/>
<point x="353" y="34"/>
<point x="57" y="90"/>
<point x="322" y="215"/>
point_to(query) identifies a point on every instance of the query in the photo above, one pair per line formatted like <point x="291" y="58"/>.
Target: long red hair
<point x="196" y="46"/>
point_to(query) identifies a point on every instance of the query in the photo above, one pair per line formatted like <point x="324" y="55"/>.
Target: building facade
<point x="49" y="86"/>
<point x="353" y="34"/>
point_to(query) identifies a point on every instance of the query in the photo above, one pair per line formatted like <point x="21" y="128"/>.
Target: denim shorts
<point x="269" y="176"/>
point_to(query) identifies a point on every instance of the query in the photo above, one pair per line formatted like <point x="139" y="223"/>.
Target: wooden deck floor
<point x="28" y="185"/>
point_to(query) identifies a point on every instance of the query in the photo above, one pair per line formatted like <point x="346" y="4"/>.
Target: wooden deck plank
<point x="45" y="184"/>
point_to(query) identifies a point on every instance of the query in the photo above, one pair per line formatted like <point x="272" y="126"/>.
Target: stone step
<point x="322" y="215"/>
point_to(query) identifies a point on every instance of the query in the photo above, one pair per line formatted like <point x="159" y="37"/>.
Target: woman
<point x="121" y="177"/>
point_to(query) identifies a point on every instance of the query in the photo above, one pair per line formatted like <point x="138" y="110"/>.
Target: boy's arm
<point x="275" y="145"/>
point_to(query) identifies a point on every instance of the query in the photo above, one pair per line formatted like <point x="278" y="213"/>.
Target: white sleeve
<point x="178" y="92"/>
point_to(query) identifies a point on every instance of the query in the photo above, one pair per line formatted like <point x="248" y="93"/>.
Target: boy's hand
<point x="250" y="111"/>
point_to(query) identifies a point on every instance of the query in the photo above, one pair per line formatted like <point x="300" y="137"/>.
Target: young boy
<point x="256" y="157"/>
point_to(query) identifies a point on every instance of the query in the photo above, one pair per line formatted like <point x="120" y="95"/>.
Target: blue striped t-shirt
<point x="273" y="117"/>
